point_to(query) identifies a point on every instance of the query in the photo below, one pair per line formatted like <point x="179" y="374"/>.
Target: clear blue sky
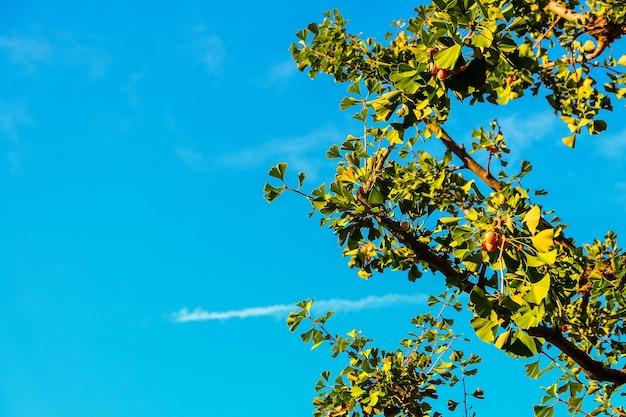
<point x="135" y="139"/>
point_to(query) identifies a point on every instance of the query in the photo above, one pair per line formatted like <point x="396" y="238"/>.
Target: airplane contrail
<point x="337" y="304"/>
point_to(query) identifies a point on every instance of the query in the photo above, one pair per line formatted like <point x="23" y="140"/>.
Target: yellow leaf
<point x="622" y="60"/>
<point x="570" y="141"/>
<point x="543" y="240"/>
<point x="538" y="290"/>
<point x="531" y="218"/>
<point x="364" y="274"/>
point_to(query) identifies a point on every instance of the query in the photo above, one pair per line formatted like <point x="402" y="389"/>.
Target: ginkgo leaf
<point x="447" y="58"/>
<point x="531" y="218"/>
<point x="543" y="240"/>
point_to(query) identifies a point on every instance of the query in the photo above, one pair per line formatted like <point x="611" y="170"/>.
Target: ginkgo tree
<point x="532" y="291"/>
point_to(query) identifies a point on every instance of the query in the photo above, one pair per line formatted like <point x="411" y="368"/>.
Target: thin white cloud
<point x="16" y="167"/>
<point x="81" y="51"/>
<point x="612" y="146"/>
<point x="521" y="130"/>
<point x="191" y="158"/>
<point x="302" y="152"/>
<point x="13" y="115"/>
<point x="131" y="88"/>
<point x="277" y="310"/>
<point x="205" y="48"/>
<point x="278" y="74"/>
<point x="212" y="52"/>
<point x="65" y="50"/>
<point x="26" y="51"/>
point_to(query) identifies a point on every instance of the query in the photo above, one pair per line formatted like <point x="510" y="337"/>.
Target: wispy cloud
<point x="278" y="310"/>
<point x="131" y="88"/>
<point x="205" y="48"/>
<point x="65" y="50"/>
<point x="522" y="129"/>
<point x="16" y="166"/>
<point x="302" y="152"/>
<point x="81" y="51"/>
<point x="620" y="191"/>
<point x="212" y="52"/>
<point x="13" y="116"/>
<point x="191" y="158"/>
<point x="278" y="74"/>
<point x="26" y="51"/>
<point x="612" y="146"/>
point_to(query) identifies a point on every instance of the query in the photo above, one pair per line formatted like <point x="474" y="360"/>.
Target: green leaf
<point x="271" y="192"/>
<point x="543" y="240"/>
<point x="484" y="39"/>
<point x="486" y="328"/>
<point x="543" y="410"/>
<point x="448" y="57"/>
<point x="479" y="393"/>
<point x="523" y="345"/>
<point x="527" y="317"/>
<point x="347" y="102"/>
<point x="531" y="218"/>
<point x="533" y="370"/>
<point x="393" y="136"/>
<point x="278" y="171"/>
<point x="375" y="197"/>
<point x="538" y="290"/>
<point x="452" y="405"/>
<point x="355" y="88"/>
<point x="598" y="126"/>
<point x="357" y="391"/>
<point x="301" y="178"/>
<point x="333" y="152"/>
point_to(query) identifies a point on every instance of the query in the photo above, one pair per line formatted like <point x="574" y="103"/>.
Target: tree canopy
<point x="532" y="290"/>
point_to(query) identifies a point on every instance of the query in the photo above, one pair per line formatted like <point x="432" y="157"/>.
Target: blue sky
<point x="135" y="139"/>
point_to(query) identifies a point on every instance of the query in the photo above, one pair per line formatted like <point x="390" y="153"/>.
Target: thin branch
<point x="544" y="34"/>
<point x="463" y="155"/>
<point x="380" y="163"/>
<point x="471" y="164"/>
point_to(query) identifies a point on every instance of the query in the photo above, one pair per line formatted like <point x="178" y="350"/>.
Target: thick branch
<point x="595" y="370"/>
<point x="565" y="13"/>
<point x="421" y="250"/>
<point x="599" y="27"/>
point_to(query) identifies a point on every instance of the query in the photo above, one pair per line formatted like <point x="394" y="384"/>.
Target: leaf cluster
<point x="396" y="206"/>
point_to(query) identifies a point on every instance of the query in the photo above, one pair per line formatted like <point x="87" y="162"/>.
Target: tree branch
<point x="422" y="251"/>
<point x="599" y="27"/>
<point x="471" y="164"/>
<point x="594" y="369"/>
<point x="565" y="13"/>
<point x="463" y="155"/>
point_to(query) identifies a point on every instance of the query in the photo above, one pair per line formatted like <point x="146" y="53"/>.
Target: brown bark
<point x="599" y="27"/>
<point x="565" y="13"/>
<point x="594" y="369"/>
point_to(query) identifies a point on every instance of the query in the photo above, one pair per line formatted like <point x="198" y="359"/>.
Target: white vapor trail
<point x="337" y="304"/>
